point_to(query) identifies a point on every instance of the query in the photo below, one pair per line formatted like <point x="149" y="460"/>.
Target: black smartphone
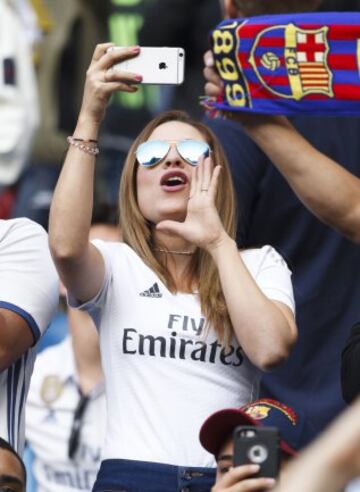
<point x="260" y="446"/>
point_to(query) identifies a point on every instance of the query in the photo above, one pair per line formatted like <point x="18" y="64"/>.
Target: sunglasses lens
<point x="151" y="152"/>
<point x="192" y="150"/>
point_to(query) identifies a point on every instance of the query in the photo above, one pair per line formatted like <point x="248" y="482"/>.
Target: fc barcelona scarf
<point x="288" y="64"/>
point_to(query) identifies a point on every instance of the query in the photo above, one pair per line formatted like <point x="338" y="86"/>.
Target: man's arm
<point x="28" y="287"/>
<point x="326" y="188"/>
<point x="15" y="337"/>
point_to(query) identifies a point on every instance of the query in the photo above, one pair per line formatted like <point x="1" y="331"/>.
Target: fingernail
<point x="254" y="468"/>
<point x="136" y="49"/>
<point x="270" y="482"/>
<point x="209" y="62"/>
<point x="138" y="78"/>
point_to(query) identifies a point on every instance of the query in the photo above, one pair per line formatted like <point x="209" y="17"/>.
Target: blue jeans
<point x="142" y="476"/>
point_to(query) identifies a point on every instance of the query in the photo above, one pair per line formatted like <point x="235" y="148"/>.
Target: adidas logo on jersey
<point x="154" y="291"/>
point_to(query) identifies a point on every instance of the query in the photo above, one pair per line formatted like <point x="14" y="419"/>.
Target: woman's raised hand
<point x="202" y="226"/>
<point x="102" y="79"/>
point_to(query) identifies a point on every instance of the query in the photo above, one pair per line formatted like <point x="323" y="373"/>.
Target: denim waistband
<point x="142" y="476"/>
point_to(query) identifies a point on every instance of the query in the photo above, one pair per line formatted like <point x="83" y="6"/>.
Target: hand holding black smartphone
<point x="260" y="446"/>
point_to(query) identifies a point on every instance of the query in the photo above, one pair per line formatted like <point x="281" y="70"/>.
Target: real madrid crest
<point x="51" y="389"/>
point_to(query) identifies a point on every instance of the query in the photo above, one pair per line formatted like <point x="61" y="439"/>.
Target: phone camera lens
<point x="258" y="454"/>
<point x="181" y="54"/>
<point x="248" y="434"/>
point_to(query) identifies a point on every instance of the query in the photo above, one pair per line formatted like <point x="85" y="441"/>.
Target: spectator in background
<point x="326" y="265"/>
<point x="66" y="412"/>
<point x="28" y="299"/>
<point x="216" y="436"/>
<point x="19" y="111"/>
<point x="63" y="54"/>
<point x="12" y="469"/>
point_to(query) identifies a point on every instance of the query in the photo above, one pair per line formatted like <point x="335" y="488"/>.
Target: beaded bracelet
<point x="81" y="144"/>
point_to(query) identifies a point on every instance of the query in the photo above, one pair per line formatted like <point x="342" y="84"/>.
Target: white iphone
<point x="157" y="65"/>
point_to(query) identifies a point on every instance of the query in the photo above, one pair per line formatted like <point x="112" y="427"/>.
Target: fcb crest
<point x="266" y="408"/>
<point x="296" y="64"/>
<point x="258" y="412"/>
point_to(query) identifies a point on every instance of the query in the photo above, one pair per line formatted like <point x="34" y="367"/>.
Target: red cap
<point x="263" y="412"/>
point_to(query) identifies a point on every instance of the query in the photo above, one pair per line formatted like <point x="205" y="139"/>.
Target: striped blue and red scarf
<point x="287" y="64"/>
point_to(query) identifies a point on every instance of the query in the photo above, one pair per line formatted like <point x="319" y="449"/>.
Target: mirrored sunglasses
<point x="152" y="152"/>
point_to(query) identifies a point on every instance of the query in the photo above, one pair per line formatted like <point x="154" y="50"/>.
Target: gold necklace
<point x="169" y="252"/>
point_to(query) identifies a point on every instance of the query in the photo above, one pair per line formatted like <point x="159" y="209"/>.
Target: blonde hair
<point x="137" y="231"/>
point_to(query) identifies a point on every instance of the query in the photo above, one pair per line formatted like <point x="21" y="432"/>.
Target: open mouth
<point x="174" y="179"/>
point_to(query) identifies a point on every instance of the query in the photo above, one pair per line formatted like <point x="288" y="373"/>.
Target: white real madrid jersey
<point x="53" y="398"/>
<point x="29" y="288"/>
<point x="164" y="372"/>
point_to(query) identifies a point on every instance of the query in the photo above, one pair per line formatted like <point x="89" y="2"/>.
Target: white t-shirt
<point x="29" y="287"/>
<point x="163" y="374"/>
<point x="53" y="397"/>
<point x="354" y="486"/>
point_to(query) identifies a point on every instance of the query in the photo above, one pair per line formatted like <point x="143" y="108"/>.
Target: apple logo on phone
<point x="162" y="66"/>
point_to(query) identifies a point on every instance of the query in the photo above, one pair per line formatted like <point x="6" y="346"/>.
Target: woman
<point x="175" y="301"/>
